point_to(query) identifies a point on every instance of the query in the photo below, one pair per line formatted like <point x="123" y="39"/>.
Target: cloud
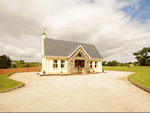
<point x="147" y="7"/>
<point x="148" y="21"/>
<point x="101" y="23"/>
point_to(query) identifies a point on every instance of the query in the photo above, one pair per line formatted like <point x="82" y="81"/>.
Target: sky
<point x="117" y="28"/>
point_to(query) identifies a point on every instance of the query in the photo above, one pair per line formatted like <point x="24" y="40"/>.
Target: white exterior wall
<point x="99" y="65"/>
<point x="49" y="66"/>
<point x="43" y="64"/>
<point x="43" y="58"/>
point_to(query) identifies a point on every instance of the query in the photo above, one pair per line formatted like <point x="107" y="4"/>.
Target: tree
<point x="129" y="62"/>
<point x="27" y="65"/>
<point x="5" y="62"/>
<point x="22" y="61"/>
<point x="20" y="64"/>
<point x="114" y="63"/>
<point x="13" y="66"/>
<point x="142" y="56"/>
<point x="104" y="63"/>
<point x="109" y="63"/>
<point x="148" y="63"/>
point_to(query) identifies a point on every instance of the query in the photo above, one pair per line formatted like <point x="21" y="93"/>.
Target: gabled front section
<point x="77" y="60"/>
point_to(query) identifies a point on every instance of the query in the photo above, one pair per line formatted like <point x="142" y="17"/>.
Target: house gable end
<point x="81" y="50"/>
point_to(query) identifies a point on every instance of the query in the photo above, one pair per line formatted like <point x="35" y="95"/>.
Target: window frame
<point x="55" y="63"/>
<point x="91" y="64"/>
<point x="95" y="64"/>
<point x="62" y="63"/>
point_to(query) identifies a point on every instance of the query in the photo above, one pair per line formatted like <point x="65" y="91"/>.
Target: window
<point x="95" y="64"/>
<point x="79" y="55"/>
<point x="55" y="65"/>
<point x="91" y="64"/>
<point x="62" y="63"/>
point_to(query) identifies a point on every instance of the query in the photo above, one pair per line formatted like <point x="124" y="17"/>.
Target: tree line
<point x="142" y="56"/>
<point x="6" y="62"/>
<point x="115" y="63"/>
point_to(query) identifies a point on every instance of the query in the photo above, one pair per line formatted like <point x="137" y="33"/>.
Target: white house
<point x="69" y="57"/>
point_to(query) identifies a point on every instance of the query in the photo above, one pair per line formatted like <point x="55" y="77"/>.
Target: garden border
<point x="145" y="89"/>
<point x="13" y="87"/>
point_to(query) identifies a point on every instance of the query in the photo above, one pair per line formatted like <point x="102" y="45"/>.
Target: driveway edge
<point x="13" y="87"/>
<point x="145" y="89"/>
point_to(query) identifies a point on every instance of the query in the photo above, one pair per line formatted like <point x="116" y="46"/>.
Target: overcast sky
<point x="116" y="27"/>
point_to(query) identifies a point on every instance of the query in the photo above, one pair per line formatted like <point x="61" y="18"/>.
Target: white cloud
<point x="100" y="23"/>
<point x="148" y="21"/>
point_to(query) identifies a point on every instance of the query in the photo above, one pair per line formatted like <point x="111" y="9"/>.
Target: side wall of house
<point x="99" y="65"/>
<point x="43" y="64"/>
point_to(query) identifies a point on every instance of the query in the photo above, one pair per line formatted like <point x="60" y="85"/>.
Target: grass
<point x="142" y="77"/>
<point x="6" y="83"/>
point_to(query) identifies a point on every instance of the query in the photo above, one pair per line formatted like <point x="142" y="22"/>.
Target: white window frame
<point x="91" y="64"/>
<point x="95" y="64"/>
<point x="55" y="63"/>
<point x="62" y="63"/>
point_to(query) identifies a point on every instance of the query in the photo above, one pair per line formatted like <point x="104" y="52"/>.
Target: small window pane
<point x="79" y="55"/>
<point x="62" y="65"/>
<point x="55" y="61"/>
<point x="90" y="64"/>
<point x="95" y="64"/>
<point x="54" y="65"/>
<point x="62" y="61"/>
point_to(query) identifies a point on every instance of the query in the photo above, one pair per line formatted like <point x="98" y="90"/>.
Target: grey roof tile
<point x="55" y="47"/>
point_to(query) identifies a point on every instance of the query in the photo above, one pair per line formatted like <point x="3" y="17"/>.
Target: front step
<point x="84" y="73"/>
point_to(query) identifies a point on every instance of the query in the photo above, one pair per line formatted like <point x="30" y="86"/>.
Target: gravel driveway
<point x="109" y="91"/>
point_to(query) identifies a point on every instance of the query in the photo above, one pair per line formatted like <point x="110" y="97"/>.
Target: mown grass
<point x="6" y="83"/>
<point x="142" y="77"/>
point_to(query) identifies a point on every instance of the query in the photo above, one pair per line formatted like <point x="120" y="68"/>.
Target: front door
<point x="79" y="63"/>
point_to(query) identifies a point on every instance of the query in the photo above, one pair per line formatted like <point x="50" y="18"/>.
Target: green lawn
<point x="6" y="83"/>
<point x="142" y="77"/>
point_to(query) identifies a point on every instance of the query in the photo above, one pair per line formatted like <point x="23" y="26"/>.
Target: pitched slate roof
<point x="54" y="47"/>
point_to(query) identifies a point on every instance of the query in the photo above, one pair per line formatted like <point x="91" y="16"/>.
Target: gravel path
<point x="103" y="92"/>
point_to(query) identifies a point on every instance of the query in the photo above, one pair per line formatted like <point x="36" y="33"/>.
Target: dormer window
<point x="79" y="55"/>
